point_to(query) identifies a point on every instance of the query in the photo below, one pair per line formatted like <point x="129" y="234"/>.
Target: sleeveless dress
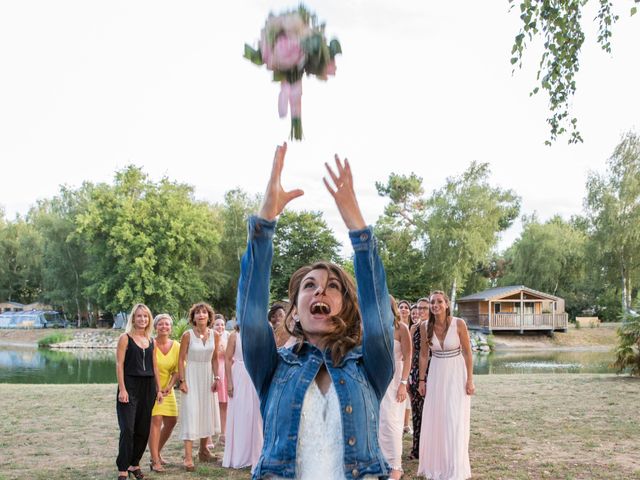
<point x="444" y="443"/>
<point x="392" y="415"/>
<point x="417" y="400"/>
<point x="198" y="406"/>
<point x="167" y="365"/>
<point x="243" y="435"/>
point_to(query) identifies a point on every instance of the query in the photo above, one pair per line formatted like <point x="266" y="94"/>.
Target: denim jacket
<point x="282" y="376"/>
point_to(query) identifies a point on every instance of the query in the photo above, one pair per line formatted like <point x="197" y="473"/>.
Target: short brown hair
<point x="200" y="306"/>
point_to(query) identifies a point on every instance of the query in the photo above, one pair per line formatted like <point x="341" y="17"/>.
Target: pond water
<point x="31" y="365"/>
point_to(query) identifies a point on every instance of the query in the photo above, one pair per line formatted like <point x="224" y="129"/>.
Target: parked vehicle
<point x="33" y="319"/>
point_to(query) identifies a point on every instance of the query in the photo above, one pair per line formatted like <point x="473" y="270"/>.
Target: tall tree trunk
<point x="623" y="277"/>
<point x="452" y="298"/>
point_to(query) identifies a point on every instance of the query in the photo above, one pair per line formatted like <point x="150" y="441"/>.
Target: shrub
<point x="179" y="328"/>
<point x="628" y="349"/>
<point x="53" y="338"/>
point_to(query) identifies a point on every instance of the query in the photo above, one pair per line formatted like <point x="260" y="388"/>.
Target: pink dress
<point x="444" y="439"/>
<point x="243" y="435"/>
<point x="392" y="415"/>
<point x="221" y="386"/>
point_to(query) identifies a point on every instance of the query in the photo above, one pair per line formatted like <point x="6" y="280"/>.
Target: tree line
<point x="103" y="247"/>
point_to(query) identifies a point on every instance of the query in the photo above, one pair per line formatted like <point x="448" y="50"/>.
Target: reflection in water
<point x="544" y="361"/>
<point x="30" y="365"/>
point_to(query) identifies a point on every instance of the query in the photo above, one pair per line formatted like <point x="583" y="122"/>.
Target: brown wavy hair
<point x="199" y="306"/>
<point x="395" y="311"/>
<point x="432" y="318"/>
<point x="348" y="322"/>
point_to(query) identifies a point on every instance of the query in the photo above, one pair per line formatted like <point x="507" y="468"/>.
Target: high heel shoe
<point x="189" y="467"/>
<point x="137" y="474"/>
<point x="156" y="466"/>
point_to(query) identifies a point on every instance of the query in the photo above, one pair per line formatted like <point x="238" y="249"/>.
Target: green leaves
<point x="560" y="26"/>
<point x="301" y="238"/>
<point x="253" y="55"/>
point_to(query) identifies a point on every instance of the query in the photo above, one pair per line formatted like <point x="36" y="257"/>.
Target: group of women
<point x="208" y="366"/>
<point x="330" y="370"/>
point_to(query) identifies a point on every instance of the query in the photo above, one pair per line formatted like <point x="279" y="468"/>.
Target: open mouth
<point x="320" y="308"/>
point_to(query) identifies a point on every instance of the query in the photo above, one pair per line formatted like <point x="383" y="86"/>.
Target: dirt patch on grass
<point x="523" y="427"/>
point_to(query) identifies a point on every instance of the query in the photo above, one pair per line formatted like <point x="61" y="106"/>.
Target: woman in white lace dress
<point x="319" y="398"/>
<point x="393" y="404"/>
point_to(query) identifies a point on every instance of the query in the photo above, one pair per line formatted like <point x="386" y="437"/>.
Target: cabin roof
<point x="501" y="292"/>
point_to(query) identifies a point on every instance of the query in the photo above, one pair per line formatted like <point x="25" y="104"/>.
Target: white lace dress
<point x="320" y="449"/>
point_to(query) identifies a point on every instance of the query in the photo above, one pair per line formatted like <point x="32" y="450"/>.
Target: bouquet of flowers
<point x="292" y="44"/>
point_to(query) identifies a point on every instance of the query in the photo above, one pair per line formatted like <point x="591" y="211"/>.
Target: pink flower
<point x="287" y="53"/>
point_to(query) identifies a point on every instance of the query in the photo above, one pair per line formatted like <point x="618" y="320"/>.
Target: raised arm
<point x="373" y="296"/>
<point x="259" y="347"/>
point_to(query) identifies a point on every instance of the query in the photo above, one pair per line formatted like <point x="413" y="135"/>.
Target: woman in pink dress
<point x="393" y="403"/>
<point x="221" y="377"/>
<point x="444" y="440"/>
<point x="244" y="427"/>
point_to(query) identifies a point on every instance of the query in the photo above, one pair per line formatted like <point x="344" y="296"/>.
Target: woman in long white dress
<point x="444" y="440"/>
<point x="195" y="368"/>
<point x="392" y="406"/>
<point x="244" y="424"/>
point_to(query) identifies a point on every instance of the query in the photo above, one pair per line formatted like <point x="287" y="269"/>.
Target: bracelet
<point x="403" y="382"/>
<point x="422" y="380"/>
<point x="216" y="378"/>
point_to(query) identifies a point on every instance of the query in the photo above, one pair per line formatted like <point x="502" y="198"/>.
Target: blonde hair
<point x="149" y="328"/>
<point x="162" y="316"/>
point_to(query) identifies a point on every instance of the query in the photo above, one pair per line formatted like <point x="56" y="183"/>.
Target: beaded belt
<point x="446" y="353"/>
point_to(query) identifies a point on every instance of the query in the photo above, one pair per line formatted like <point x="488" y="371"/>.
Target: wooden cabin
<point x="11" y="307"/>
<point x="514" y="308"/>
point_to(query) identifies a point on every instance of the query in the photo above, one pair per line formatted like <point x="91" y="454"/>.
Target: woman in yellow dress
<point x="164" y="415"/>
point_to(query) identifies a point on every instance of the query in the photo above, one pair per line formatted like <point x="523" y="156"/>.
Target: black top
<point x="138" y="362"/>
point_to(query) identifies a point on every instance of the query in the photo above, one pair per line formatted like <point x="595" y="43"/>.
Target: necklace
<point x="201" y="335"/>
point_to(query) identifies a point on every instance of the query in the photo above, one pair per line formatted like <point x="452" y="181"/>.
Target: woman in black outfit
<point x="417" y="400"/>
<point x="138" y="389"/>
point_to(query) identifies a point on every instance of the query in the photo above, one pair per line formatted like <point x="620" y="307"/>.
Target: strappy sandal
<point x="156" y="466"/>
<point x="137" y="474"/>
<point x="206" y="457"/>
<point x="189" y="467"/>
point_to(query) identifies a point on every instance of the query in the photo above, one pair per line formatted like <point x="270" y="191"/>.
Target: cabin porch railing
<point x="525" y="321"/>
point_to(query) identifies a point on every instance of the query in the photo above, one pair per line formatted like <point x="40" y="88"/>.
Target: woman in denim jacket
<point x="320" y="398"/>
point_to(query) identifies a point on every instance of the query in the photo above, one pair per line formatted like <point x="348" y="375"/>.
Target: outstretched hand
<point x="275" y="198"/>
<point x="344" y="195"/>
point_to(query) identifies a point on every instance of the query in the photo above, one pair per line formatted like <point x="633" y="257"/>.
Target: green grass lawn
<point x="541" y="426"/>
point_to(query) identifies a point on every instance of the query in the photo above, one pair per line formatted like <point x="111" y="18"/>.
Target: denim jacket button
<point x="355" y="472"/>
<point x="364" y="237"/>
<point x="352" y="441"/>
<point x="348" y="409"/>
<point x="342" y="382"/>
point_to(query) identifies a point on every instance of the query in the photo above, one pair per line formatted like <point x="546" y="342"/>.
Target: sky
<point x="88" y="87"/>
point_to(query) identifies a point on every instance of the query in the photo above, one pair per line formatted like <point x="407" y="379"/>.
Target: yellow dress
<point x="167" y="365"/>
